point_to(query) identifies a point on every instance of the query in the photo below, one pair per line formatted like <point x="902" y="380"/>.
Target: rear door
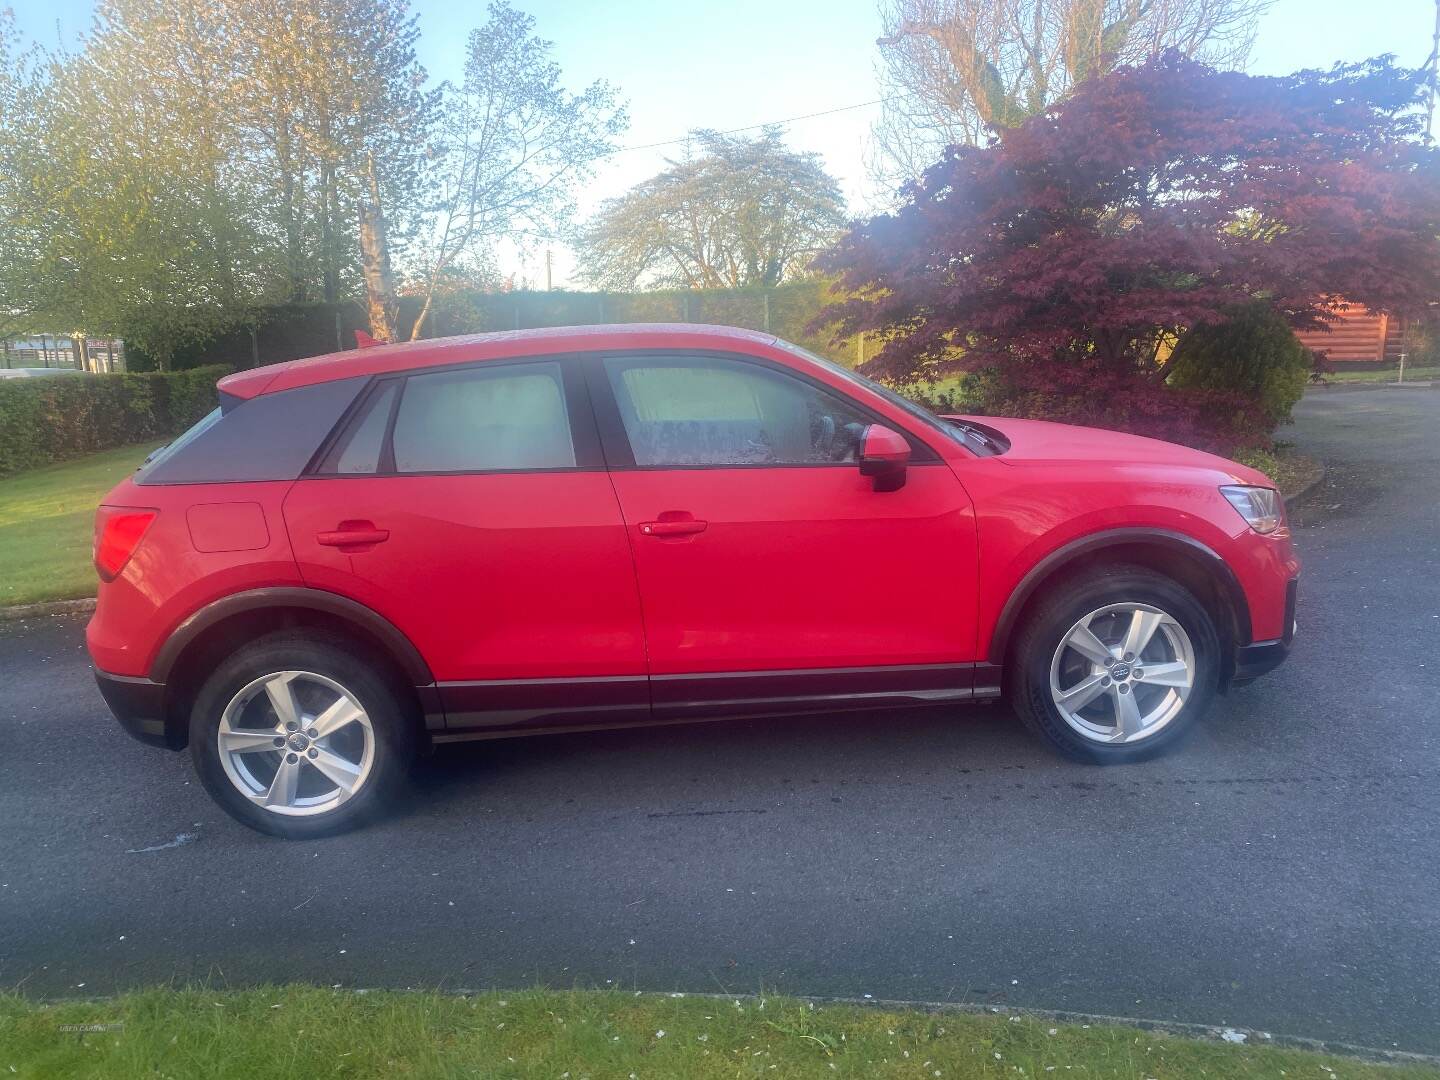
<point x="774" y="576"/>
<point x="470" y="507"/>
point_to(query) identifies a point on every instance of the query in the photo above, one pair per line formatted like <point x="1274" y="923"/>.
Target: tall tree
<point x="513" y="149"/>
<point x="1157" y="199"/>
<point x="954" y="69"/>
<point x="132" y="210"/>
<point x="741" y="212"/>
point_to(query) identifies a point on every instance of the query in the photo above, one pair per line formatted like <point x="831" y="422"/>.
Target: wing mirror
<point x="884" y="454"/>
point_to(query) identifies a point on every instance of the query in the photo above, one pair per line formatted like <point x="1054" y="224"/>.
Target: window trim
<point x="584" y="437"/>
<point x="616" y="440"/>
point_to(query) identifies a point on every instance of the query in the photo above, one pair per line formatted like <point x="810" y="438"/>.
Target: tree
<point x="513" y="149"/>
<point x="955" y="69"/>
<point x="128" y="214"/>
<point x="1158" y="198"/>
<point x="743" y="212"/>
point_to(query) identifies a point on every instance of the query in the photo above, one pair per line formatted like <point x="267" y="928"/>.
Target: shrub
<point x="1254" y="353"/>
<point x="44" y="420"/>
<point x="1221" y="421"/>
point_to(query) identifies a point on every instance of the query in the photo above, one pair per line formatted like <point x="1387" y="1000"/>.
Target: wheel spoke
<point x="1083" y="640"/>
<point x="343" y="774"/>
<point x="1172" y="674"/>
<point x="246" y="740"/>
<point x="1143" y="625"/>
<point x="1127" y="715"/>
<point x="281" y="692"/>
<point x="343" y="712"/>
<point x="1082" y="693"/>
<point x="283" y="787"/>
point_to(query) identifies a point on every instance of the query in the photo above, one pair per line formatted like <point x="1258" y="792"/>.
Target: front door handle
<point x="352" y="536"/>
<point x="688" y="526"/>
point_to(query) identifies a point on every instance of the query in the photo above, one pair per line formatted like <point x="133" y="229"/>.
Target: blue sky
<point x="743" y="62"/>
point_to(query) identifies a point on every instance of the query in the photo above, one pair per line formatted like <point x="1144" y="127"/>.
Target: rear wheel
<point x="1115" y="667"/>
<point x="299" y="737"/>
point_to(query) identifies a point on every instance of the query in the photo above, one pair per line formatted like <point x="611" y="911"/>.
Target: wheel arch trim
<point x="401" y="648"/>
<point x="1165" y="539"/>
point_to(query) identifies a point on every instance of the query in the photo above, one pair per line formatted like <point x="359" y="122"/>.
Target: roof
<point x="409" y="355"/>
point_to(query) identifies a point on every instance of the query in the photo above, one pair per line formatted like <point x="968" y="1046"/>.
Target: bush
<point x="1254" y="353"/>
<point x="49" y="419"/>
<point x="1092" y="394"/>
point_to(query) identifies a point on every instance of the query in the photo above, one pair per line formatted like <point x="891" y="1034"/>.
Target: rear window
<point x="487" y="419"/>
<point x="270" y="437"/>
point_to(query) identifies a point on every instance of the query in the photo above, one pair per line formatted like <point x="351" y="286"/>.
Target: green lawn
<point x="46" y="518"/>
<point x="306" y="1032"/>
<point x="1412" y="374"/>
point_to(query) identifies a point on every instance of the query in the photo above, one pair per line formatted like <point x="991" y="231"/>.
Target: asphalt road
<point x="1278" y="872"/>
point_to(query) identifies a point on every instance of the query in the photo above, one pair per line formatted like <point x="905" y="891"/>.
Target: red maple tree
<point x="1076" y="248"/>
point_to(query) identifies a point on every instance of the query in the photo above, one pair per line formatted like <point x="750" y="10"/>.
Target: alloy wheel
<point x="296" y="743"/>
<point x="1122" y="673"/>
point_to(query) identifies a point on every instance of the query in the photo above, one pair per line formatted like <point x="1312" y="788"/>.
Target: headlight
<point x="1262" y="507"/>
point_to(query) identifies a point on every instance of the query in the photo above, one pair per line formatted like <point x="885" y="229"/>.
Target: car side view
<point x="361" y="556"/>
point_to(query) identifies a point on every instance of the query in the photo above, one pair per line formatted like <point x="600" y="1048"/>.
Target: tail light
<point x="118" y="532"/>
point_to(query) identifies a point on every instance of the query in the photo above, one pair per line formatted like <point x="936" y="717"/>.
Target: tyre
<point x="299" y="736"/>
<point x="1115" y="666"/>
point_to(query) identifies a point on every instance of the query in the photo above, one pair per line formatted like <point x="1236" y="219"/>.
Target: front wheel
<point x="298" y="737"/>
<point x="1115" y="667"/>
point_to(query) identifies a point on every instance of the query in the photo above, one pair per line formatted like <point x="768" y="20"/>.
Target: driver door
<point x="771" y="572"/>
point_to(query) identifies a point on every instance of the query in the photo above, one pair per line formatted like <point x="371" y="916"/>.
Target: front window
<point x="709" y="411"/>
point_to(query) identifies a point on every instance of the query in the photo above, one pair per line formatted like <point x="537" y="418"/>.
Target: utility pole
<point x="549" y="286"/>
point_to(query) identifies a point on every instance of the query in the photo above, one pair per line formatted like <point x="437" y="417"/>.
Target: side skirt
<point x="498" y="709"/>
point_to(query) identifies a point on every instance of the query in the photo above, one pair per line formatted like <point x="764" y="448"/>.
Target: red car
<point x="359" y="556"/>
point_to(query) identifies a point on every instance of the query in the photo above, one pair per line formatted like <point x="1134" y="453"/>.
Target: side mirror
<point x="884" y="453"/>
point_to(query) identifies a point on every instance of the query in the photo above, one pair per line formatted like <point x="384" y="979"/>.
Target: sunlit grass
<point x="46" y="519"/>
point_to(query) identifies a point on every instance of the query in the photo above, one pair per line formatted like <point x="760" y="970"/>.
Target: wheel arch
<point x="1193" y="564"/>
<point x="217" y="629"/>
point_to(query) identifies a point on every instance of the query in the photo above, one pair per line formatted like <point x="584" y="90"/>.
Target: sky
<point x="748" y="62"/>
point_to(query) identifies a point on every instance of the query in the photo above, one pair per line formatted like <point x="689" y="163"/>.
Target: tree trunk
<point x="380" y="302"/>
<point x="329" y="270"/>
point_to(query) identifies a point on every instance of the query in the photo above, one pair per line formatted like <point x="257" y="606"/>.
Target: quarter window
<point x="704" y="411"/>
<point x="484" y="419"/>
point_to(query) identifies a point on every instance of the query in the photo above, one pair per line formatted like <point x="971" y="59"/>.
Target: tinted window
<point x="358" y="451"/>
<point x="483" y="419"/>
<point x="270" y="437"/>
<point x="702" y="411"/>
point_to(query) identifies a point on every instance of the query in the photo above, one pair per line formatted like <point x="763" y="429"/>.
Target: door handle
<point x="682" y="527"/>
<point x="353" y="536"/>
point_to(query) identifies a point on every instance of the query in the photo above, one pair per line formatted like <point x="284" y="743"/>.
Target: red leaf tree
<point x="1075" y="249"/>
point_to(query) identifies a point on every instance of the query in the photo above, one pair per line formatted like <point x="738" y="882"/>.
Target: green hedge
<point x="55" y="418"/>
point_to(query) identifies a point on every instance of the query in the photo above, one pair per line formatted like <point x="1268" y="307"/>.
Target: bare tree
<point x="514" y="147"/>
<point x="956" y="68"/>
<point x="743" y="212"/>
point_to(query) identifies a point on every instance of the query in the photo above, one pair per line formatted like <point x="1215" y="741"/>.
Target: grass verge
<point x="300" y="1031"/>
<point x="46" y="519"/>
<point x="1384" y="375"/>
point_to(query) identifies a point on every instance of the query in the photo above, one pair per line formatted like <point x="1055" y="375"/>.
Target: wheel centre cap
<point x="1120" y="671"/>
<point x="298" y="742"/>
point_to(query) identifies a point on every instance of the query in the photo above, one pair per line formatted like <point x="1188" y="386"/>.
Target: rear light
<point x="118" y="531"/>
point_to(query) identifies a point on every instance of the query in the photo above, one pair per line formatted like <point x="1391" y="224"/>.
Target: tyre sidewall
<point x="394" y="742"/>
<point x="1030" y="683"/>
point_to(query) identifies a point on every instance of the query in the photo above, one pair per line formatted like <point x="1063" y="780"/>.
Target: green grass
<point x="1412" y="374"/>
<point x="294" y="1031"/>
<point x="46" y="520"/>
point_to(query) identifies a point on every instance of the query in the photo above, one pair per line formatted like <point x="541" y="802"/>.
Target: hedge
<point x="55" y="418"/>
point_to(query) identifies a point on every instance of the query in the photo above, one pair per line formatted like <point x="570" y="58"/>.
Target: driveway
<point x="1279" y="872"/>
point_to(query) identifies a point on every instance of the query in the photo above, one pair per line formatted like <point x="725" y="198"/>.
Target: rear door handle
<point x="683" y="527"/>
<point x="353" y="536"/>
